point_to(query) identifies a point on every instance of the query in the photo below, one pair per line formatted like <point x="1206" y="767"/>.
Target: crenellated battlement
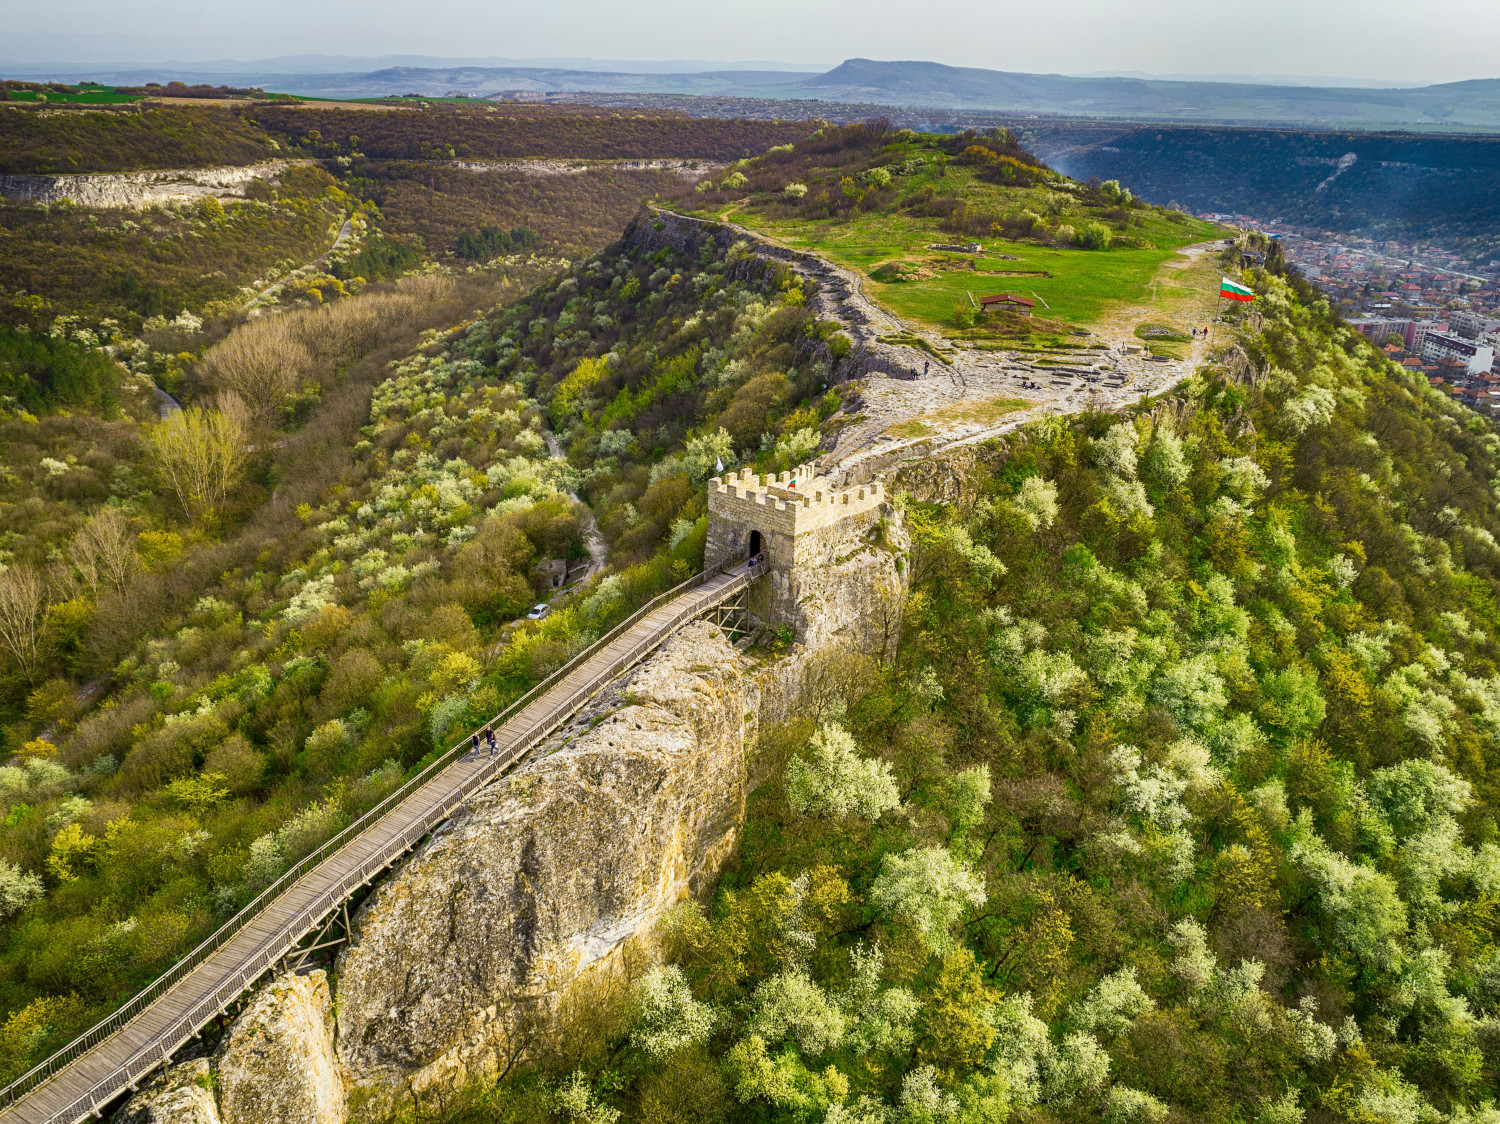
<point x="796" y="525"/>
<point x="795" y="501"/>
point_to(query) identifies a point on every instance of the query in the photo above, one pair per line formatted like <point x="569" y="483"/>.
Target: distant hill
<point x="1473" y="105"/>
<point x="482" y="80"/>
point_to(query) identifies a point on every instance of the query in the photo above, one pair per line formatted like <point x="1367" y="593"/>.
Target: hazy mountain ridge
<point x="1473" y="104"/>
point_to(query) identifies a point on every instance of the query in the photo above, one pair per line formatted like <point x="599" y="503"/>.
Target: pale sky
<point x="1429" y="41"/>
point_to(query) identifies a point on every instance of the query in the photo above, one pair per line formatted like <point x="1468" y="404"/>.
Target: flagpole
<point x="1214" y="331"/>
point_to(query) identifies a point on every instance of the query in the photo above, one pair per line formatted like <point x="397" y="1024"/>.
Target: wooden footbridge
<point x="306" y="910"/>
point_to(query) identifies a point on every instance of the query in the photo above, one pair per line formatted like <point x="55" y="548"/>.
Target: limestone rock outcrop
<point x="275" y="1066"/>
<point x="141" y="189"/>
<point x="182" y="1094"/>
<point x="542" y="881"/>
<point x="277" y="1063"/>
<point x="848" y="613"/>
<point x="853" y="599"/>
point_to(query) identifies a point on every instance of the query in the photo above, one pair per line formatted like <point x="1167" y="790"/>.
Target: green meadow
<point x="86" y="95"/>
<point x="1081" y="286"/>
<point x="1069" y="284"/>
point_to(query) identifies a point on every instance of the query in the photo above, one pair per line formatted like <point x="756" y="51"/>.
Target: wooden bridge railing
<point x="291" y="930"/>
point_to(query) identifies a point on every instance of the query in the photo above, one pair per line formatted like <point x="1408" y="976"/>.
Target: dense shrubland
<point x="655" y="367"/>
<point x="127" y="140"/>
<point x="297" y="682"/>
<point x="1175" y="804"/>
<point x="443" y="209"/>
<point x="132" y="265"/>
<point x="40" y="372"/>
<point x="139" y="139"/>
<point x="495" y="132"/>
<point x="839" y="173"/>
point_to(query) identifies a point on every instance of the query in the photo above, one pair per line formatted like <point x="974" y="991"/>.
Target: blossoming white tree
<point x="837" y="781"/>
<point x="929" y="888"/>
<point x="667" y="1016"/>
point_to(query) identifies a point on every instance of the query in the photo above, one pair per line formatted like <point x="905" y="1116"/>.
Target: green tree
<point x="836" y="781"/>
<point x="930" y="889"/>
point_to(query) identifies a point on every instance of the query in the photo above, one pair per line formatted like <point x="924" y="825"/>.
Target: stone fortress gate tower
<point x="834" y="558"/>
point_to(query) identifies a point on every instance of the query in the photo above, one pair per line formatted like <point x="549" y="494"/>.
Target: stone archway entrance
<point x="756" y="544"/>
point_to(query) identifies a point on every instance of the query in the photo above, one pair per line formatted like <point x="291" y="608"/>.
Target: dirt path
<point x="593" y="541"/>
<point x="276" y="286"/>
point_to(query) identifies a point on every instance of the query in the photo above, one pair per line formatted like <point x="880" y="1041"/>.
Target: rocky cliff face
<point x="275" y="1066"/>
<point x="847" y="614"/>
<point x="278" y="1063"/>
<point x="140" y="189"/>
<point x="852" y="599"/>
<point x="181" y="1095"/>
<point x="539" y="885"/>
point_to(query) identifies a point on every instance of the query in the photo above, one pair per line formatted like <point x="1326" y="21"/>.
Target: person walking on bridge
<point x="489" y="737"/>
<point x="474" y="743"/>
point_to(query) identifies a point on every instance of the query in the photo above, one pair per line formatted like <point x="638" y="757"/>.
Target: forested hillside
<point x="220" y="662"/>
<point x="398" y="173"/>
<point x="133" y="265"/>
<point x="126" y="140"/>
<point x="497" y="133"/>
<point x="1175" y="805"/>
<point x="139" y="139"/>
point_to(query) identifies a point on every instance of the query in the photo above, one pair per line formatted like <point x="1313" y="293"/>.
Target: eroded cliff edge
<point x="546" y="878"/>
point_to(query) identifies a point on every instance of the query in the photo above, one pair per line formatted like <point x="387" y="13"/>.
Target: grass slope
<point x="876" y="201"/>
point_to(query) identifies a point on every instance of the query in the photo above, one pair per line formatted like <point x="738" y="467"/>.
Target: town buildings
<point x="1425" y="307"/>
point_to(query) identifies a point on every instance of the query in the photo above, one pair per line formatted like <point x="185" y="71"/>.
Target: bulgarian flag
<point x="1233" y="290"/>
